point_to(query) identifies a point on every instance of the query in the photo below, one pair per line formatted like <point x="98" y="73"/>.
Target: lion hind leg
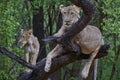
<point x="86" y="68"/>
<point x="55" y="52"/>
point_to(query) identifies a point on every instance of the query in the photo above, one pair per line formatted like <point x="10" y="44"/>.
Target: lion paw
<point x="47" y="66"/>
<point x="84" y="74"/>
<point x="57" y="35"/>
<point x="47" y="69"/>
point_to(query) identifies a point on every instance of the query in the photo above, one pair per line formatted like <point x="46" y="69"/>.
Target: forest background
<point x="45" y="18"/>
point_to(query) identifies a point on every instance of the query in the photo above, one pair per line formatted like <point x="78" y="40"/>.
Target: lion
<point x="31" y="46"/>
<point x="89" y="39"/>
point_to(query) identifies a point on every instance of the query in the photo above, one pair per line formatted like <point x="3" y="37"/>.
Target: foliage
<point x="10" y="24"/>
<point x="111" y="32"/>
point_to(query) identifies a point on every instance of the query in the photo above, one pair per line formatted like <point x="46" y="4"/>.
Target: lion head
<point x="25" y="37"/>
<point x="70" y="14"/>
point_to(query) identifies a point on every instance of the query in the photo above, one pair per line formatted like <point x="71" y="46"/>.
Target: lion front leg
<point x="33" y="58"/>
<point x="60" y="32"/>
<point x="86" y="68"/>
<point x="55" y="52"/>
<point x="26" y="57"/>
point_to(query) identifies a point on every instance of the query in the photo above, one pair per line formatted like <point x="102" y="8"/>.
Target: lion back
<point x="89" y="39"/>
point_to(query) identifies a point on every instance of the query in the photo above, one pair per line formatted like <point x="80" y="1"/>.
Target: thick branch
<point x="16" y="58"/>
<point x="58" y="62"/>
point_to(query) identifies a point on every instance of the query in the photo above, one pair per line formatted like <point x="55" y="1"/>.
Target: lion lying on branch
<point x="88" y="41"/>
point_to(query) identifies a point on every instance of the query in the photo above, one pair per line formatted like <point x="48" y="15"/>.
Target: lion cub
<point x="89" y="39"/>
<point x="31" y="47"/>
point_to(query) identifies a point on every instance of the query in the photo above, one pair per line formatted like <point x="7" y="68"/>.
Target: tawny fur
<point x="89" y="39"/>
<point x="31" y="47"/>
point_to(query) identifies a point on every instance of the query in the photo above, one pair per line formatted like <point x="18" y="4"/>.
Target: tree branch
<point x="16" y="58"/>
<point x="58" y="62"/>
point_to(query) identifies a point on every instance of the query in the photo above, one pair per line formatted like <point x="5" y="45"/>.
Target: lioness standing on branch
<point x="31" y="47"/>
<point x="89" y="39"/>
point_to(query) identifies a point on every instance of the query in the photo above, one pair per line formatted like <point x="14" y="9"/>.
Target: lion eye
<point x="23" y="36"/>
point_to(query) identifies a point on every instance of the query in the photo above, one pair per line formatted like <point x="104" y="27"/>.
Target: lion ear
<point x="77" y="8"/>
<point x="61" y="6"/>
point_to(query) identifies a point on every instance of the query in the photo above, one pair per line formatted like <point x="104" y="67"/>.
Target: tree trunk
<point x="38" y="30"/>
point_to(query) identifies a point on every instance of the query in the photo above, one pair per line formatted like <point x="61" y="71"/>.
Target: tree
<point x="62" y="60"/>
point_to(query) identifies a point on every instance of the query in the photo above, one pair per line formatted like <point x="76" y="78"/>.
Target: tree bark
<point x="38" y="31"/>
